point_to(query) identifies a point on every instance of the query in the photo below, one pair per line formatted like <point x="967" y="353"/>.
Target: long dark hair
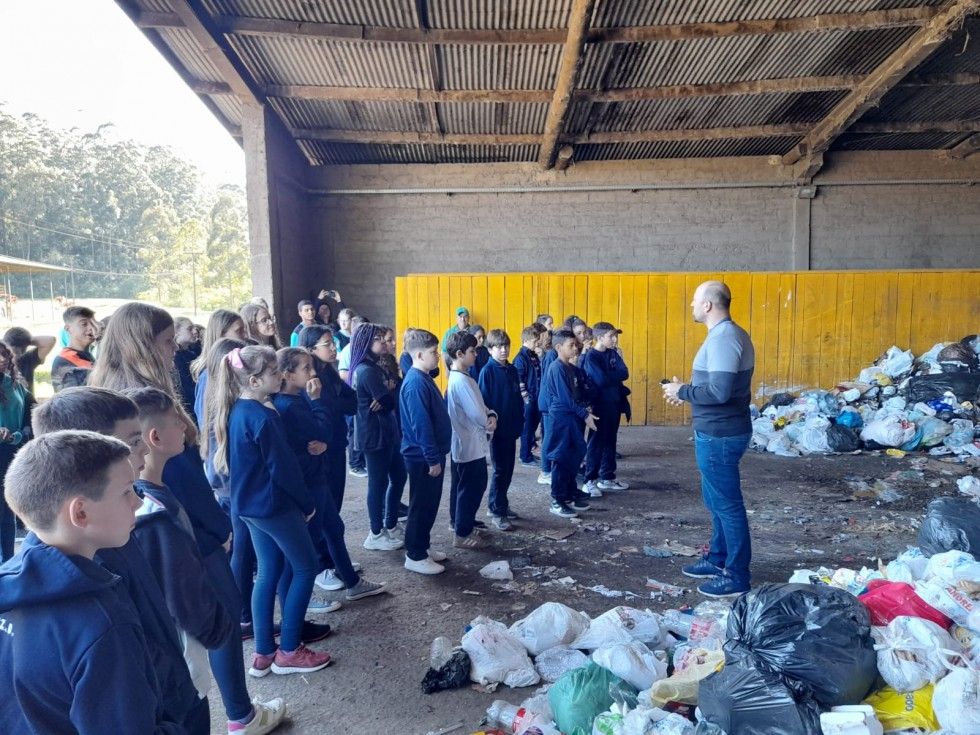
<point x="7" y="355"/>
<point x="308" y="338"/>
<point x="360" y="346"/>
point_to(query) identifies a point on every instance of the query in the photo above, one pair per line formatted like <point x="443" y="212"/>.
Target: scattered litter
<point x="969" y="486"/>
<point x="657" y="553"/>
<point x="499" y="570"/>
<point x="471" y="592"/>
<point x="663" y="589"/>
<point x="670" y="548"/>
<point x="558" y="534"/>
<point x="444" y="606"/>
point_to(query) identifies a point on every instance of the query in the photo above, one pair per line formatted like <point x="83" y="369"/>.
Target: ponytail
<point x="233" y="373"/>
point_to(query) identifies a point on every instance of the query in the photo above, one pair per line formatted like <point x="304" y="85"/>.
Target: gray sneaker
<point x="364" y="589"/>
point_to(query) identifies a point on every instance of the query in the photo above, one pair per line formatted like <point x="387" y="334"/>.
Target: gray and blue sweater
<point x="721" y="382"/>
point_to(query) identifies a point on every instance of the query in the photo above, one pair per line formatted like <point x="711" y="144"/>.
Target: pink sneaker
<point x="261" y="664"/>
<point x="301" y="661"/>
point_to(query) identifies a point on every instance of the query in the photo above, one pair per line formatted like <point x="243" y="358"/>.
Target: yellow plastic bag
<point x="683" y="685"/>
<point x="897" y="711"/>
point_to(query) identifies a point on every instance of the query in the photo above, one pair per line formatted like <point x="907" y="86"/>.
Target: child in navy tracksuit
<point x="166" y="538"/>
<point x="73" y="653"/>
<point x="501" y="389"/>
<point x="528" y="366"/>
<point x="308" y="431"/>
<point x="606" y="371"/>
<point x="544" y="399"/>
<point x="269" y="493"/>
<point x="568" y="415"/>
<point x="426" y="436"/>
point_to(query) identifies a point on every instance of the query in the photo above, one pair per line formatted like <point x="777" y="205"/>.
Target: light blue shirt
<point x="468" y="415"/>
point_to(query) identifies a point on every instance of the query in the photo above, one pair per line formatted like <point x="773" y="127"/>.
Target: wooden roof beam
<point x="872" y="20"/>
<point x="967" y="148"/>
<point x="886" y="76"/>
<point x="625" y="136"/>
<point x="571" y="62"/>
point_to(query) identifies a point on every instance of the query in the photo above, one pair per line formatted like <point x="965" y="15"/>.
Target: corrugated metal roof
<point x="499" y="14"/>
<point x="709" y="112"/>
<point x="960" y="54"/>
<point x="615" y="13"/>
<point x="155" y="6"/>
<point x="322" y="153"/>
<point x="293" y="60"/>
<point x="182" y="43"/>
<point x="388" y="13"/>
<point x="496" y="117"/>
<point x="685" y="149"/>
<point x="344" y="115"/>
<point x="927" y="103"/>
<point x="230" y="106"/>
<point x="744" y="58"/>
<point x="499" y="67"/>
<point x="897" y="141"/>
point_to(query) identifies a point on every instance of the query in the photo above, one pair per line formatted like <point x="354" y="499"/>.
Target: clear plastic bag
<point x="554" y="662"/>
<point x="552" y="624"/>
<point x="908" y="652"/>
<point x="497" y="656"/>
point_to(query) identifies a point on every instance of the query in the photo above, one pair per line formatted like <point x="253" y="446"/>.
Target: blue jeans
<point x="242" y="558"/>
<point x="228" y="660"/>
<point x="718" y="458"/>
<point x="397" y="479"/>
<point x="326" y="529"/>
<point x="532" y="417"/>
<point x="279" y="540"/>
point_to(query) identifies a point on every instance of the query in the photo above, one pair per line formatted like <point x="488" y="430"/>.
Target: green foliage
<point x="149" y="225"/>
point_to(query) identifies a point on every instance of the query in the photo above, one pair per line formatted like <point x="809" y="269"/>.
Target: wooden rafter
<point x="886" y="76"/>
<point x="876" y="19"/>
<point x="571" y="61"/>
<point x="967" y="148"/>
<point x="629" y="94"/>
<point x="627" y="136"/>
<point x="435" y="78"/>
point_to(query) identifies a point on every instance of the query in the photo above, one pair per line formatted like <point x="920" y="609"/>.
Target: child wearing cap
<point x="606" y="371"/>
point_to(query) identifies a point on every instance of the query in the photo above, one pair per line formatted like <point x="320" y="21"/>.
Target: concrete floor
<point x="802" y="513"/>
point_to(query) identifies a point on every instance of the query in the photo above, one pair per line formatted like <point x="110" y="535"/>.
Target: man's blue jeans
<point x="718" y="458"/>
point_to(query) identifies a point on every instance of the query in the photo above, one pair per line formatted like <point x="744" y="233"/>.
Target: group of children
<point x="191" y="479"/>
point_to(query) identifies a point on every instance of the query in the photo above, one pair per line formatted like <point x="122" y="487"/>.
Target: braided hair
<point x="360" y="346"/>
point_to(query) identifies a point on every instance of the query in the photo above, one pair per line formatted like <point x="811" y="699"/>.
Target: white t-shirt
<point x="468" y="416"/>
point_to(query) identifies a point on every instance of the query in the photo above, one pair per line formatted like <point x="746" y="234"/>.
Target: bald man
<point x="719" y="393"/>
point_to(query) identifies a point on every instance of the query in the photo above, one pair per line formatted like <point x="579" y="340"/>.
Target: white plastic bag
<point x="896" y="362"/>
<point x="888" y="431"/>
<point x="622" y="625"/>
<point x="498" y="570"/>
<point x="782" y="446"/>
<point x="554" y="662"/>
<point x="632" y="662"/>
<point x="956" y="699"/>
<point x="497" y="656"/>
<point x="952" y="567"/>
<point x="552" y="624"/>
<point x="969" y="486"/>
<point x="908" y="567"/>
<point x="908" y="652"/>
<point x="951" y="602"/>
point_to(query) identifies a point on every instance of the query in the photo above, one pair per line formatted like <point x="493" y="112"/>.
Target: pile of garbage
<point x="831" y="652"/>
<point x="900" y="404"/>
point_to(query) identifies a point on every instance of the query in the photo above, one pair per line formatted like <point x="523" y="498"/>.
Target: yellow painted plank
<point x="785" y="309"/>
<point x="529" y="308"/>
<point x="496" y="311"/>
<point x="513" y="308"/>
<point x="580" y="294"/>
<point x="842" y="330"/>
<point x="478" y="286"/>
<point x="466" y="292"/>
<point x="401" y="308"/>
<point x="556" y="298"/>
<point x="638" y="366"/>
<point x="826" y="299"/>
<point x="567" y="299"/>
<point x="676" y="321"/>
<point x="656" y="310"/>
<point x="740" y="284"/>
<point x="756" y="327"/>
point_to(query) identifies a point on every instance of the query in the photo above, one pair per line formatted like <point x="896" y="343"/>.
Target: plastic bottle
<point x="502" y="713"/>
<point x="518" y="719"/>
<point x="440" y="653"/>
<point x="678" y="622"/>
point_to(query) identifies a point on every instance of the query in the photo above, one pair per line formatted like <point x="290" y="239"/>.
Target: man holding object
<point x="719" y="393"/>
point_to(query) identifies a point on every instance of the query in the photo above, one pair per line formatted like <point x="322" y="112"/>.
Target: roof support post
<point x="571" y="62"/>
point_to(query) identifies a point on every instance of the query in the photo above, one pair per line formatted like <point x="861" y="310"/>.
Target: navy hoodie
<point x="405" y="363"/>
<point x="501" y="389"/>
<point x="606" y="372"/>
<point x="374" y="430"/>
<point x="339" y="401"/>
<point x="528" y="366"/>
<point x="184" y="475"/>
<point x="266" y="479"/>
<point x="305" y="421"/>
<point x="544" y="398"/>
<point x="426" y="431"/>
<point x="567" y="411"/>
<point x="73" y="656"/>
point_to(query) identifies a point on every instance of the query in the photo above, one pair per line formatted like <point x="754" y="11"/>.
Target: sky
<point x="82" y="63"/>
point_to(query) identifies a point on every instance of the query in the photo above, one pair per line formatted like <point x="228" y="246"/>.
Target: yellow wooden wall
<point x="810" y="329"/>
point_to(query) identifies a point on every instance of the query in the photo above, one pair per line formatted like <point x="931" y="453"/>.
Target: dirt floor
<point x="803" y="514"/>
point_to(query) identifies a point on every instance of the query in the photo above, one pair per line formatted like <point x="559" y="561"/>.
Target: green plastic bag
<point x="582" y="694"/>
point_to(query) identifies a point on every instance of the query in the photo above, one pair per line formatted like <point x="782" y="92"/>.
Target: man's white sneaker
<point x="424" y="566"/>
<point x="613" y="485"/>
<point x="592" y="488"/>
<point x="544" y="478"/>
<point x="328" y="580"/>
<point x="382" y="542"/>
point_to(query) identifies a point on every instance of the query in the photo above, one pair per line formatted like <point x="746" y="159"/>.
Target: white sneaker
<point x="397" y="532"/>
<point x="437" y="556"/>
<point x="544" y="478"/>
<point x="382" y="542"/>
<point x="321" y="607"/>
<point x="355" y="566"/>
<point x="613" y="485"/>
<point x="592" y="488"/>
<point x="424" y="566"/>
<point x="328" y="580"/>
<point x="268" y="716"/>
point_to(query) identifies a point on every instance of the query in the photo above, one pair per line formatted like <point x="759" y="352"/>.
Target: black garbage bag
<point x="965" y="386"/>
<point x="816" y="638"/>
<point x="951" y="524"/>
<point x="745" y="699"/>
<point x="957" y="358"/>
<point x="842" y="439"/>
<point x="780" y="399"/>
<point x="455" y="673"/>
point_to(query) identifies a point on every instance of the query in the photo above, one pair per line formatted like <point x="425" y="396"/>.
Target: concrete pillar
<point x="800" y="257"/>
<point x="266" y="272"/>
